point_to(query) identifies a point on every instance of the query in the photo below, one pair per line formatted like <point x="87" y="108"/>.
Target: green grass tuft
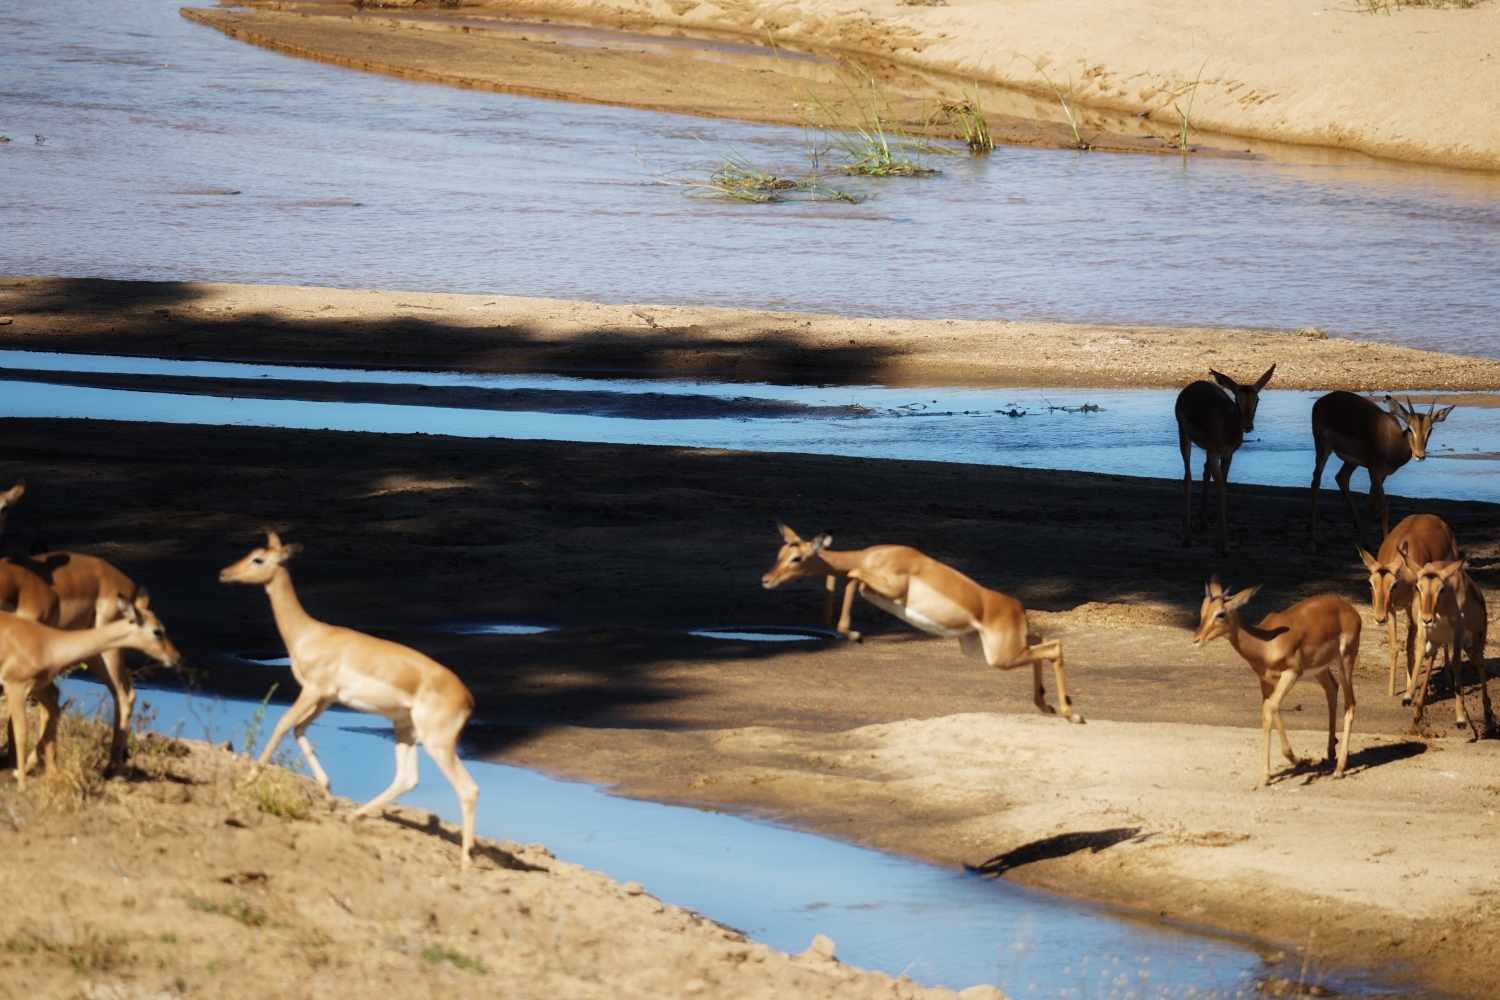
<point x="434" y="955"/>
<point x="238" y="908"/>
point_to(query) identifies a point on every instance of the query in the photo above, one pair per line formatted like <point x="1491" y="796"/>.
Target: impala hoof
<point x="1076" y="718"/>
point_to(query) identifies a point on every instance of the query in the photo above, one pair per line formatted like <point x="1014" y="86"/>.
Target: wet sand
<point x="623" y="548"/>
<point x="364" y="328"/>
<point x="716" y="80"/>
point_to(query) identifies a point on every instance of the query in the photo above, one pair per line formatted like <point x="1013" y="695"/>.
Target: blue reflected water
<point x="782" y="887"/>
<point x="351" y="179"/>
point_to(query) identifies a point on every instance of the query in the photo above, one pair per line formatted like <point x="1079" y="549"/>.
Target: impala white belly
<point x="367" y="694"/>
<point x="911" y="617"/>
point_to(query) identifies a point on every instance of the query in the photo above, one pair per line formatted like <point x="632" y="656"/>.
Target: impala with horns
<point x="1393" y="588"/>
<point x="1217" y="423"/>
<point x="1309" y="637"/>
<point x="32" y="655"/>
<point x="1450" y="614"/>
<point x="424" y="700"/>
<point x="934" y="597"/>
<point x="1364" y="436"/>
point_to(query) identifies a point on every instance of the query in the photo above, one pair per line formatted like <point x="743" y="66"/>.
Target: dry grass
<point x="76" y="776"/>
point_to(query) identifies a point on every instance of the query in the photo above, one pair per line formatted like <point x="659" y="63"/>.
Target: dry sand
<point x="1414" y="83"/>
<point x="172" y="882"/>
<point x="416" y="329"/>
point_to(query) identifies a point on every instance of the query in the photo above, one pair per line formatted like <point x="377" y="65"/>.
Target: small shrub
<point x="277" y="792"/>
<point x="85" y="951"/>
<point x="76" y="775"/>
<point x="434" y="955"/>
<point x="238" y="908"/>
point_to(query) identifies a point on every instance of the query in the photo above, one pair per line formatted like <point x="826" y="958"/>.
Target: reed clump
<point x="1069" y="104"/>
<point x="872" y="139"/>
<point x="967" y="120"/>
<point x="737" y="178"/>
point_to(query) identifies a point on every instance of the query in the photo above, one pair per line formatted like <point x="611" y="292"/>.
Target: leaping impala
<point x="1393" y="587"/>
<point x="1450" y="613"/>
<point x="1217" y="423"/>
<point x="32" y="655"/>
<point x="1363" y="435"/>
<point x="1307" y="638"/>
<point x="934" y="597"/>
<point x="425" y="701"/>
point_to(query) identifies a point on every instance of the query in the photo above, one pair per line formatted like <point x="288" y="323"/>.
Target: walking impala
<point x="1363" y="435"/>
<point x="422" y="698"/>
<point x="32" y="655"/>
<point x="1217" y="423"/>
<point x="934" y="597"/>
<point x="1307" y="638"/>
<point x="1451" y="614"/>
<point x="1393" y="587"/>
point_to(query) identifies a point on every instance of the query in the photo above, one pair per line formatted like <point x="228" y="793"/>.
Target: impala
<point x="1363" y="435"/>
<point x="32" y="655"/>
<point x="1217" y="423"/>
<point x="8" y="500"/>
<point x="934" y="597"/>
<point x="1392" y="585"/>
<point x="1307" y="638"/>
<point x="425" y="701"/>
<point x="1451" y="614"/>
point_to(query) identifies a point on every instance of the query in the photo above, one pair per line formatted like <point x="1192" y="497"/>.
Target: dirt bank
<point x="1413" y="83"/>
<point x="365" y="328"/>
<point x="172" y="881"/>
<point x="624" y="548"/>
<point x="681" y="74"/>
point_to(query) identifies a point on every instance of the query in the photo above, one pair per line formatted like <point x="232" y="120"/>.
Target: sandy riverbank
<point x="1411" y="83"/>
<point x="622" y="549"/>
<point x="172" y="881"/>
<point x="414" y="329"/>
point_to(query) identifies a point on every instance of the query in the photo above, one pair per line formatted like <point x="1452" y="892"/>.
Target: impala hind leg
<point x="831" y="585"/>
<point x="845" y="616"/>
<point x="1221" y="477"/>
<point x="49" y="711"/>
<point x="1342" y="477"/>
<point x="406" y="771"/>
<point x="1456" y="672"/>
<point x="1323" y="452"/>
<point x="446" y="758"/>
<point x="1331" y="692"/>
<point x="1348" y="658"/>
<point x="1208" y="467"/>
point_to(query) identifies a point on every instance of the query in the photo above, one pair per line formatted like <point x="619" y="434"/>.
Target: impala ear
<point x="142" y="598"/>
<point x="273" y="541"/>
<point x="1370" y="561"/>
<point x="289" y="551"/>
<point x="1224" y="380"/>
<point x="13" y="494"/>
<point x="128" y="611"/>
<point x="1442" y="414"/>
<point x="1260" y="383"/>
<point x="822" y="541"/>
<point x="787" y="534"/>
<point x="1406" y="558"/>
<point x="1242" y="598"/>
<point x="1397" y="410"/>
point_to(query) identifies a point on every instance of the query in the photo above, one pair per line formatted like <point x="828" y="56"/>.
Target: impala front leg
<point x="301" y="715"/>
<point x="1270" y="713"/>
<point x="848" y="611"/>
<point x="831" y="586"/>
<point x="15" y="700"/>
<point x="1187" y="484"/>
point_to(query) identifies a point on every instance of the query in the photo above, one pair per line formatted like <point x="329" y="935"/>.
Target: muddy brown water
<point x="172" y="151"/>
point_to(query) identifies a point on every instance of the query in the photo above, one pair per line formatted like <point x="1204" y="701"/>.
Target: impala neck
<point x="70" y="647"/>
<point x="1250" y="641"/>
<point x="291" y="620"/>
<point x="837" y="563"/>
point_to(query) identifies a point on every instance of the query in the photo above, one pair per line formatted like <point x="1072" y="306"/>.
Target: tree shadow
<point x="1059" y="846"/>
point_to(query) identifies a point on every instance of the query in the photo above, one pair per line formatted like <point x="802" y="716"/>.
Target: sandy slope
<point x="1417" y="84"/>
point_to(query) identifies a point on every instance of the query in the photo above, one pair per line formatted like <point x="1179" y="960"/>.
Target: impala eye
<point x="160" y="633"/>
<point x="257" y="560"/>
<point x="796" y="559"/>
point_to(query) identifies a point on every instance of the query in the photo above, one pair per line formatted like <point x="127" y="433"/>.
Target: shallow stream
<point x="782" y="887"/>
<point x="171" y="151"/>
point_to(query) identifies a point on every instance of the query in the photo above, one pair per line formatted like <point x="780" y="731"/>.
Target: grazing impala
<point x="32" y="655"/>
<point x="423" y="698"/>
<point x="1307" y="638"/>
<point x="1361" y="434"/>
<point x="935" y="598"/>
<point x="1393" y="588"/>
<point x="1450" y="614"/>
<point x="1217" y="423"/>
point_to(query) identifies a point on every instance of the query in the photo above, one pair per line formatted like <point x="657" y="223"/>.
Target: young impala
<point x="936" y="598"/>
<point x="1450" y="614"/>
<point x="425" y="701"/>
<point x="1361" y="434"/>
<point x="1309" y="637"/>
<point x="1393" y="587"/>
<point x="1217" y="423"/>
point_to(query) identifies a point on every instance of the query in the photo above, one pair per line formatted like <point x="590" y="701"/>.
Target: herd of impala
<point x="60" y="609"/>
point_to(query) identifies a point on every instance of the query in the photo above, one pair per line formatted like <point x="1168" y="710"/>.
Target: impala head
<point x="1432" y="579"/>
<point x="260" y="565"/>
<point x="1416" y="426"/>
<point x="1385" y="578"/>
<point x="1213" y="616"/>
<point x="1246" y="397"/>
<point x="797" y="558"/>
<point x="8" y="500"/>
<point x="147" y="633"/>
